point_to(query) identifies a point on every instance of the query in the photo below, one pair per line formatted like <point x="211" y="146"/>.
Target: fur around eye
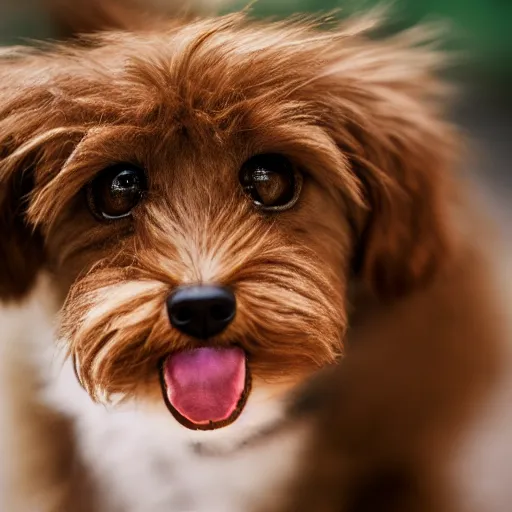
<point x="116" y="191"/>
<point x="272" y="182"/>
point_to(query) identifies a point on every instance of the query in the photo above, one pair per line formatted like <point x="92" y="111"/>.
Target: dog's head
<point x="204" y="195"/>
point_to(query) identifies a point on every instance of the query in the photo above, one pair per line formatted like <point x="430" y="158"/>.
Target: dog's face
<point x="203" y="196"/>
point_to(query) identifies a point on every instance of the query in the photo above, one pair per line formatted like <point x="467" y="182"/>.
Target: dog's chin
<point x="264" y="411"/>
<point x="206" y="388"/>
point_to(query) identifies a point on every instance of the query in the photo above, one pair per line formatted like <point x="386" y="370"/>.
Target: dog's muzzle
<point x="207" y="387"/>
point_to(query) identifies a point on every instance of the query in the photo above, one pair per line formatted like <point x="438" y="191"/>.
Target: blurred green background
<point x="482" y="27"/>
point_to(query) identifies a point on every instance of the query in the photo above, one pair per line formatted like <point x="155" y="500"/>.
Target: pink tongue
<point x="205" y="384"/>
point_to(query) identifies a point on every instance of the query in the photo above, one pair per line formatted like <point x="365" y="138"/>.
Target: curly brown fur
<point x="363" y="120"/>
<point x="365" y="128"/>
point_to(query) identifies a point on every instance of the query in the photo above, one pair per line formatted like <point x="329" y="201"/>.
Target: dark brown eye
<point x="116" y="191"/>
<point x="272" y="181"/>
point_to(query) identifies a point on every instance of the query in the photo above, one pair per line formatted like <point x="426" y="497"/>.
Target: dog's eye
<point x="272" y="181"/>
<point x="116" y="191"/>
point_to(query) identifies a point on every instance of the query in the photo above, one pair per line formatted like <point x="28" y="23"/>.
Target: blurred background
<point x="479" y="29"/>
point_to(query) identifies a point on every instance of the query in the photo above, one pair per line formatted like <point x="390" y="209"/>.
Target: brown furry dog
<point x="214" y="203"/>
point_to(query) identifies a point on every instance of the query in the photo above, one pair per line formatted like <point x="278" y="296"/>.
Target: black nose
<point x="201" y="311"/>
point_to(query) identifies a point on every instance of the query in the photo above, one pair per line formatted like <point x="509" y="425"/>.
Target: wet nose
<point x="201" y="311"/>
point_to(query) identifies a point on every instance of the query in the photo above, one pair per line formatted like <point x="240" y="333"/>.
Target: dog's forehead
<point x="192" y="103"/>
<point x="219" y="89"/>
<point x="189" y="90"/>
<point x="210" y="72"/>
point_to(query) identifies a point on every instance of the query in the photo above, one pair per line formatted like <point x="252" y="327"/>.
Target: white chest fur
<point x="142" y="460"/>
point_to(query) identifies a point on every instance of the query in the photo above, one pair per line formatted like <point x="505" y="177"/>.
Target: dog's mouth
<point x="206" y="388"/>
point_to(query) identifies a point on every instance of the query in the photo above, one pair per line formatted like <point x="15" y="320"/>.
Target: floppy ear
<point x="21" y="248"/>
<point x="21" y="251"/>
<point x="389" y="122"/>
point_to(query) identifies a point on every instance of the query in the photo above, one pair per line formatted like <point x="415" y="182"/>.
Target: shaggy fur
<point x="361" y="121"/>
<point x="190" y="103"/>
